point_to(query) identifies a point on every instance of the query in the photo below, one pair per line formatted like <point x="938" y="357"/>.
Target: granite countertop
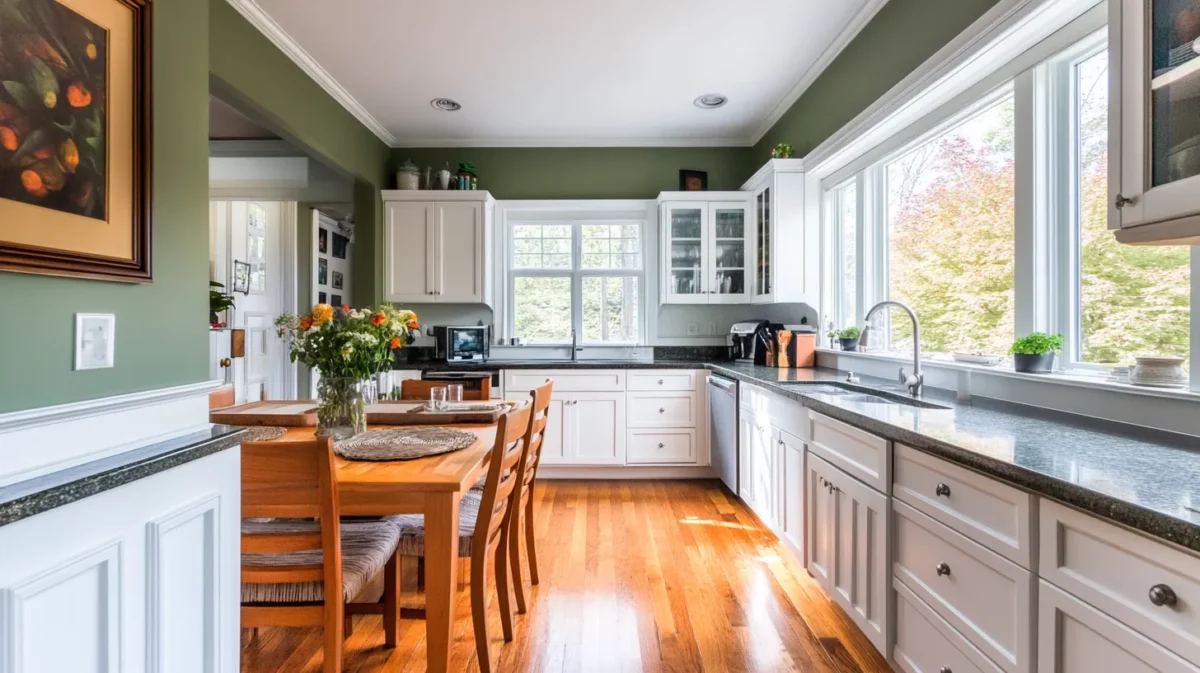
<point x="1143" y="478"/>
<point x="40" y="494"/>
<point x="493" y="365"/>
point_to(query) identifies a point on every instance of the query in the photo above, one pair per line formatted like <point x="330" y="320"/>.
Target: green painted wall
<point x="588" y="172"/>
<point x="162" y="336"/>
<point x="902" y="36"/>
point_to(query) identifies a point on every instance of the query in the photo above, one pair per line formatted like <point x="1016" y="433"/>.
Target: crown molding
<point x="852" y="29"/>
<point x="568" y="142"/>
<point x="279" y="37"/>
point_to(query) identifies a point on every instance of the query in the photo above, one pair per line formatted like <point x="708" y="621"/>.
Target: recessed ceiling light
<point x="445" y="104"/>
<point x="710" y="101"/>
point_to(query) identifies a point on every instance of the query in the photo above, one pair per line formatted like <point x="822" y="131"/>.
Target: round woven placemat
<point x="263" y="433"/>
<point x="403" y="443"/>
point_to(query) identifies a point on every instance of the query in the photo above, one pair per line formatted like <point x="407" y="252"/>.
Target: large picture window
<point x="583" y="276"/>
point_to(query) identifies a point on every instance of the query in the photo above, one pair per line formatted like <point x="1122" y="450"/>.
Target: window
<point x="583" y="276"/>
<point x="1132" y="300"/>
<point x="844" y="216"/>
<point x="950" y="235"/>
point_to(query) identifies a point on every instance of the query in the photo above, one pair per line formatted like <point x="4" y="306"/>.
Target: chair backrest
<point x="292" y="481"/>
<point x="413" y="389"/>
<point x="502" y="476"/>
<point x="221" y="397"/>
<point x="534" y="437"/>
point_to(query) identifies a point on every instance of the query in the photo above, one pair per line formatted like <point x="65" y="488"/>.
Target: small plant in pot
<point x="849" y="338"/>
<point x="1034" y="354"/>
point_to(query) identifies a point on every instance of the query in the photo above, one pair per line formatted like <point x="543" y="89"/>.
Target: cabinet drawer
<point x="926" y="643"/>
<point x="984" y="596"/>
<point x="993" y="514"/>
<point x="1074" y="637"/>
<point x="654" y="447"/>
<point x="864" y="456"/>
<point x="661" y="410"/>
<point x="1115" y="569"/>
<point x="667" y="379"/>
<point x="517" y="381"/>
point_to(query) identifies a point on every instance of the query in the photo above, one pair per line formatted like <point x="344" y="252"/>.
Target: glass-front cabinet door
<point x="686" y="253"/>
<point x="1156" y="45"/>
<point x="732" y="266"/>
<point x="762" y="245"/>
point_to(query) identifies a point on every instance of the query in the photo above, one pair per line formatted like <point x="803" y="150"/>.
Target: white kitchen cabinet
<point x="437" y="247"/>
<point x="554" y="445"/>
<point x="758" y="456"/>
<point x="584" y="429"/>
<point x="1074" y="637"/>
<point x="849" y="553"/>
<point x="786" y="262"/>
<point x="706" y="244"/>
<point x="790" y="486"/>
<point x="1154" y="118"/>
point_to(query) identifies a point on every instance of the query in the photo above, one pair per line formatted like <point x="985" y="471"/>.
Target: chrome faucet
<point x="574" y="346"/>
<point x="915" y="381"/>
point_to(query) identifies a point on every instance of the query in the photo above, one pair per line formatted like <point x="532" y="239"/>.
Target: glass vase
<point x="342" y="406"/>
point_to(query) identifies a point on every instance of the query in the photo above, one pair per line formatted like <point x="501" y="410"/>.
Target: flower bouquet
<point x="347" y="346"/>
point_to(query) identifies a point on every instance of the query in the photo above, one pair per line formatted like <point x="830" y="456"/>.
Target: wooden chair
<point x="523" y="492"/>
<point x="484" y="527"/>
<point x="288" y="563"/>
<point x="413" y="389"/>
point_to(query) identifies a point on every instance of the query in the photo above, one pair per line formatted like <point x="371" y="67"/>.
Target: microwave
<point x="462" y="344"/>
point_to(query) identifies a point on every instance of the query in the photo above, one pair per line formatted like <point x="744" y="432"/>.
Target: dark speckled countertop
<point x="1143" y="478"/>
<point x="34" y="496"/>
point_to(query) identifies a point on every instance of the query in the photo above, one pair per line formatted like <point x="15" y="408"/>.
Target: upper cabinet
<point x="1154" y="183"/>
<point x="706" y="242"/>
<point x="437" y="247"/>
<point x="786" y="267"/>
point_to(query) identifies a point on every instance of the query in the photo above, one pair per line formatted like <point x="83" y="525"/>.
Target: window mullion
<point x="1194" y="346"/>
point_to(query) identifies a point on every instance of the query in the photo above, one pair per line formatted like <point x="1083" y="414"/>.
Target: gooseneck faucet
<point x="916" y="380"/>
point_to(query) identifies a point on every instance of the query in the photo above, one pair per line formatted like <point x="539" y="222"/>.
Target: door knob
<point x="660" y="382"/>
<point x="942" y="489"/>
<point x="1161" y="594"/>
<point x="942" y="569"/>
<point x="225" y="362"/>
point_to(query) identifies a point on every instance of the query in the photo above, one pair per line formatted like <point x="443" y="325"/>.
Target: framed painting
<point x="693" y="181"/>
<point x="75" y="132"/>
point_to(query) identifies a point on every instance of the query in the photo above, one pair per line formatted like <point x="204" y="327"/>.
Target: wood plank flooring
<point x="635" y="576"/>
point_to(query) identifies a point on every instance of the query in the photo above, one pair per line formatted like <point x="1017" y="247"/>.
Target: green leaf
<point x="39" y="138"/>
<point x="21" y="93"/>
<point x="43" y="80"/>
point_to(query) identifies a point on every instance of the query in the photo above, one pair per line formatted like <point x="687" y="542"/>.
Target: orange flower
<point x="70" y="155"/>
<point x="305" y="323"/>
<point x="412" y="324"/>
<point x="9" y="139"/>
<point x="78" y="96"/>
<point x="395" y="343"/>
<point x="378" y="319"/>
<point x="33" y="183"/>
<point x="321" y="314"/>
<point x="346" y="308"/>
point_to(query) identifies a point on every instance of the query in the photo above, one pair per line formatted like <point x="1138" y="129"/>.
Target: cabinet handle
<point x="1163" y="595"/>
<point x="945" y="669"/>
<point x="660" y="382"/>
<point x="1123" y="201"/>
<point x="942" y="569"/>
<point x="661" y="445"/>
<point x="662" y="410"/>
<point x="942" y="489"/>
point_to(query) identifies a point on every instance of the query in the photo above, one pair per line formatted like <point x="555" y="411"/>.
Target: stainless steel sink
<point x="865" y="395"/>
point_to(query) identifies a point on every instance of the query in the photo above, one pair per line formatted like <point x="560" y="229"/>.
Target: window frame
<point x="576" y="273"/>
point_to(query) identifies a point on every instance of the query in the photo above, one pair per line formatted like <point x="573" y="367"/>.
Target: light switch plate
<point x="95" y="340"/>
<point x="693" y="328"/>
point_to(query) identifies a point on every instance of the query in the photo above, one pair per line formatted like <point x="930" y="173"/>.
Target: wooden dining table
<point x="430" y="486"/>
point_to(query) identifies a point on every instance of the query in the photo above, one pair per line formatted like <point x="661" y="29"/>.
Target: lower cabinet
<point x="584" y="429"/>
<point x="848" y="552"/>
<point x="790" y="486"/>
<point x="925" y="643"/>
<point x="758" y="452"/>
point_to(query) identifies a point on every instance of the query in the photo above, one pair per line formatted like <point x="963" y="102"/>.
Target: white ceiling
<point x="563" y="72"/>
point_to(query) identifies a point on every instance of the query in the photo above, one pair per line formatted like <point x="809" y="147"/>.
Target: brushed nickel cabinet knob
<point x="942" y="568"/>
<point x="942" y="490"/>
<point x="1163" y="595"/>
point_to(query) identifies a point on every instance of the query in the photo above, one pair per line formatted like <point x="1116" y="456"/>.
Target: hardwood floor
<point x="635" y="576"/>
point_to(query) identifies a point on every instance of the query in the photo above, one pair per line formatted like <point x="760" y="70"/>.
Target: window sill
<point x="1056" y="378"/>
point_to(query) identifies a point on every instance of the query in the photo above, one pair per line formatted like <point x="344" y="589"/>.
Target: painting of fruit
<point x="53" y="69"/>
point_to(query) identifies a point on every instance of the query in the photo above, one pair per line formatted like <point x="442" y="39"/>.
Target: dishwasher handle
<point x="725" y="385"/>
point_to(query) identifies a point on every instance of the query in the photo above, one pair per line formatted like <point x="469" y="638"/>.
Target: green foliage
<point x="350" y="344"/>
<point x="1037" y="343"/>
<point x="217" y="300"/>
<point x="851" y="332"/>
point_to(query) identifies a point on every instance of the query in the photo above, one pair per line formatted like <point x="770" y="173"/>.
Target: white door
<point x="595" y="428"/>
<point x="254" y="247"/>
<point x="791" y="487"/>
<point x="730" y="262"/>
<point x="409" y="250"/>
<point x="459" y="258"/>
<point x="686" y="268"/>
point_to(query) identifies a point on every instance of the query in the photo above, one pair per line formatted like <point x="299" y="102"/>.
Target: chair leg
<point x="391" y="601"/>
<point x="420" y="573"/>
<point x="502" y="585"/>
<point x="531" y="550"/>
<point x="479" y="614"/>
<point x="335" y="612"/>
<point x="514" y="560"/>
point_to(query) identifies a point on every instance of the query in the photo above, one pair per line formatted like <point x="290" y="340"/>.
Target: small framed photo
<point x="339" y="245"/>
<point x="322" y="271"/>
<point x="241" y="277"/>
<point x="693" y="181"/>
<point x="95" y="340"/>
<point x="337" y="300"/>
<point x="322" y="241"/>
<point x="322" y="298"/>
<point x="337" y="280"/>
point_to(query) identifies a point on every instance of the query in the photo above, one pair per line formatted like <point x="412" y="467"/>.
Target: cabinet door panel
<point x="746" y="430"/>
<point x="685" y="264"/>
<point x="731" y="265"/>
<point x="763" y="460"/>
<point x="459" y="253"/>
<point x="409" y="249"/>
<point x="553" y="444"/>
<point x="596" y="428"/>
<point x="791" y="486"/>
<point x="819" y="506"/>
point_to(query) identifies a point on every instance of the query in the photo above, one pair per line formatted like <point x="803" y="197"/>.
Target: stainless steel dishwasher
<point x="723" y="428"/>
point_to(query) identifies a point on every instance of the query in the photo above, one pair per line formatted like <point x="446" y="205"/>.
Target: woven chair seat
<point x="366" y="548"/>
<point x="411" y="527"/>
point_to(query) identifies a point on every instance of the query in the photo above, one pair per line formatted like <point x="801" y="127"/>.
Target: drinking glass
<point x="454" y="392"/>
<point x="437" y="397"/>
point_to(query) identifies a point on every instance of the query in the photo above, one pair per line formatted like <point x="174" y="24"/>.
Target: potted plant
<point x="849" y="338"/>
<point x="781" y="151"/>
<point x="218" y="302"/>
<point x="1034" y="354"/>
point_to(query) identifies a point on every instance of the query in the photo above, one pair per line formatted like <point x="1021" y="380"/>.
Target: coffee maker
<point x="752" y="340"/>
